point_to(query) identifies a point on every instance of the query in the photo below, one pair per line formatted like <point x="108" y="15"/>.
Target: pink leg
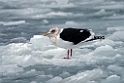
<point x="69" y="53"/>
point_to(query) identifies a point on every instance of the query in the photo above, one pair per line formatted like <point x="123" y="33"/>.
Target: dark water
<point x="23" y="19"/>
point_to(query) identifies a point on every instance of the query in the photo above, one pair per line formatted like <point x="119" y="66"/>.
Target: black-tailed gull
<point x="69" y="38"/>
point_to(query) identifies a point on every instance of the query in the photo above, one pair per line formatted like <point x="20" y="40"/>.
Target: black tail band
<point x="96" y="37"/>
<point x="99" y="37"/>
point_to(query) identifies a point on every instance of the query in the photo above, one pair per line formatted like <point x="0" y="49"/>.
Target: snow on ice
<point x="99" y="62"/>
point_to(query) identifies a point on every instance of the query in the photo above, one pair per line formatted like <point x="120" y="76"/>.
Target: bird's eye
<point x="53" y="31"/>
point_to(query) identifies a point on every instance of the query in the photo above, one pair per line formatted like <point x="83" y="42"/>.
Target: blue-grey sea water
<point x="21" y="20"/>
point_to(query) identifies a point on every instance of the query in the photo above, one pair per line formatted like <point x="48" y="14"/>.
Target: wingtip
<point x="99" y="37"/>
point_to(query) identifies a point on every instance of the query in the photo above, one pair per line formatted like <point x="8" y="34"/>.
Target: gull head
<point x="53" y="32"/>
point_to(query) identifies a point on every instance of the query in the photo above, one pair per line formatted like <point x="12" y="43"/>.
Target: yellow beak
<point x="46" y="34"/>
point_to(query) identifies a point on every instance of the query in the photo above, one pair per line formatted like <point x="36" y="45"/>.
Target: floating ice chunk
<point x="13" y="23"/>
<point x="45" y="21"/>
<point x="116" y="69"/>
<point x="64" y="74"/>
<point x="18" y="39"/>
<point x="33" y="82"/>
<point x="83" y="50"/>
<point x="118" y="56"/>
<point x="21" y="54"/>
<point x="27" y="61"/>
<point x="113" y="79"/>
<point x="70" y="23"/>
<point x="31" y="72"/>
<point x="53" y="53"/>
<point x="40" y="41"/>
<point x="6" y="69"/>
<point x="89" y="76"/>
<point x="44" y="77"/>
<point x="58" y="14"/>
<point x="108" y="42"/>
<point x="111" y="42"/>
<point x="52" y="15"/>
<point x="120" y="28"/>
<point x="62" y="1"/>
<point x="54" y="80"/>
<point x="107" y="47"/>
<point x="112" y="6"/>
<point x="1" y="80"/>
<point x="105" y="42"/>
<point x="114" y="17"/>
<point x="118" y="35"/>
<point x="105" y="51"/>
<point x="102" y="11"/>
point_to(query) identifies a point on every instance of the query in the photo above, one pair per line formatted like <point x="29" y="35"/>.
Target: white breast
<point x="63" y="44"/>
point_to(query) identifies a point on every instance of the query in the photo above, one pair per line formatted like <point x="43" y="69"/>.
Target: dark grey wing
<point x="75" y="35"/>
